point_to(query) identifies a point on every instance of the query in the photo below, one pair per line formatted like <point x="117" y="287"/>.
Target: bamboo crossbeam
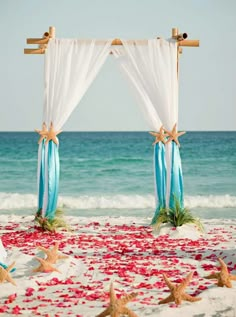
<point x="42" y="42"/>
<point x="34" y="50"/>
<point x="115" y="42"/>
<point x="180" y="43"/>
<point x="189" y="43"/>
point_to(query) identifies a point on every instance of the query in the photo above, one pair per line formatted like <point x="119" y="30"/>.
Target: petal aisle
<point x="129" y="254"/>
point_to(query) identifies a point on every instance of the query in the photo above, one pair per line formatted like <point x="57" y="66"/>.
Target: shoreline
<point x="205" y="214"/>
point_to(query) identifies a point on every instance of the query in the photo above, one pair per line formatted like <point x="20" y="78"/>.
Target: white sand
<point x="122" y="250"/>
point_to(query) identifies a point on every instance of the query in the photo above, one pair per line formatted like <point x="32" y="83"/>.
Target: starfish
<point x="43" y="133"/>
<point x="45" y="266"/>
<point x="223" y="277"/>
<point x="177" y="293"/>
<point x="117" y="307"/>
<point x="160" y="136"/>
<point x="52" y="255"/>
<point x="4" y="274"/>
<point x="5" y="267"/>
<point x="52" y="134"/>
<point x="174" y="134"/>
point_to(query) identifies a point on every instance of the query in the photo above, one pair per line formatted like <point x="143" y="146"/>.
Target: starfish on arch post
<point x="117" y="307"/>
<point x="52" y="134"/>
<point x="177" y="293"/>
<point x="43" y="133"/>
<point x="159" y="136"/>
<point x="174" y="135"/>
<point x="223" y="277"/>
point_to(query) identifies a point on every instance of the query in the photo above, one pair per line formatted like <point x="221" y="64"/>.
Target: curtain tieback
<point x="159" y="136"/>
<point x="50" y="134"/>
<point x="173" y="135"/>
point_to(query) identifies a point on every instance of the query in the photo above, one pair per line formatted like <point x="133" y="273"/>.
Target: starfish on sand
<point x="52" y="134"/>
<point x="117" y="307"/>
<point x="223" y="277"/>
<point x="177" y="293"/>
<point x="43" y="133"/>
<point x="174" y="134"/>
<point x="5" y="275"/>
<point x="52" y="254"/>
<point x="159" y="136"/>
<point x="45" y="266"/>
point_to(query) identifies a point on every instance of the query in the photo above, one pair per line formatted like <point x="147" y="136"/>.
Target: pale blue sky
<point x="207" y="74"/>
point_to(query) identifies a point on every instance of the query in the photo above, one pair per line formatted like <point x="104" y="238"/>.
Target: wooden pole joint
<point x="181" y="40"/>
<point x="42" y="42"/>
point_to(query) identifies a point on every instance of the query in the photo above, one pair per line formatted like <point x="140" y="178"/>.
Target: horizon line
<point x="110" y="131"/>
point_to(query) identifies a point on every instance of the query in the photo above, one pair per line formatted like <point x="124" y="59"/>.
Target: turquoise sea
<point x="111" y="173"/>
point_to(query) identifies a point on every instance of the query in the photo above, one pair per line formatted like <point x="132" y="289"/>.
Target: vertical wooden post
<point x="52" y="32"/>
<point x="175" y="33"/>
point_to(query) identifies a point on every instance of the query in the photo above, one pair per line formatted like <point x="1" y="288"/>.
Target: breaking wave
<point x="10" y="201"/>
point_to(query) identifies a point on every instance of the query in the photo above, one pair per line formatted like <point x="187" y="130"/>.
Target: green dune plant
<point x="177" y="217"/>
<point x="51" y="225"/>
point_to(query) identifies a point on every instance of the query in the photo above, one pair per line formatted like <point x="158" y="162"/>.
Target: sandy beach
<point x="122" y="250"/>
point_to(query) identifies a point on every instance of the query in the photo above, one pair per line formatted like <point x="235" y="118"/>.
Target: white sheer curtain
<point x="71" y="65"/>
<point x="152" y="70"/>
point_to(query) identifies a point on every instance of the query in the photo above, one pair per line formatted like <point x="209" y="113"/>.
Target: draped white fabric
<point x="71" y="65"/>
<point x="152" y="71"/>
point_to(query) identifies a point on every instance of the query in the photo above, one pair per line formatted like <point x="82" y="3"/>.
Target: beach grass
<point x="177" y="217"/>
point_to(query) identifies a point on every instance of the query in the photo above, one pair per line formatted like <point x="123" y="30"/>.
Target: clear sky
<point x="207" y="99"/>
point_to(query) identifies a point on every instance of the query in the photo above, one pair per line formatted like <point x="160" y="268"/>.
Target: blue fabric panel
<point x="41" y="177"/>
<point x="53" y="179"/>
<point x="176" y="186"/>
<point x="160" y="177"/>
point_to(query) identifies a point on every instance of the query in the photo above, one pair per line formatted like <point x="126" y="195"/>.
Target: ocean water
<point x="111" y="173"/>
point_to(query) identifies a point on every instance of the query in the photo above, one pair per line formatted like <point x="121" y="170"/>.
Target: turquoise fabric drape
<point x="176" y="194"/>
<point x="53" y="179"/>
<point x="48" y="179"/>
<point x="41" y="176"/>
<point x="160" y="177"/>
<point x="176" y="184"/>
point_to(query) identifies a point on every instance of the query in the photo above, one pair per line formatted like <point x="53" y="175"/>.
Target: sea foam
<point x="10" y="201"/>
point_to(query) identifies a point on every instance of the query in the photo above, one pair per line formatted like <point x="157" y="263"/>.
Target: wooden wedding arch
<point x="180" y="38"/>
